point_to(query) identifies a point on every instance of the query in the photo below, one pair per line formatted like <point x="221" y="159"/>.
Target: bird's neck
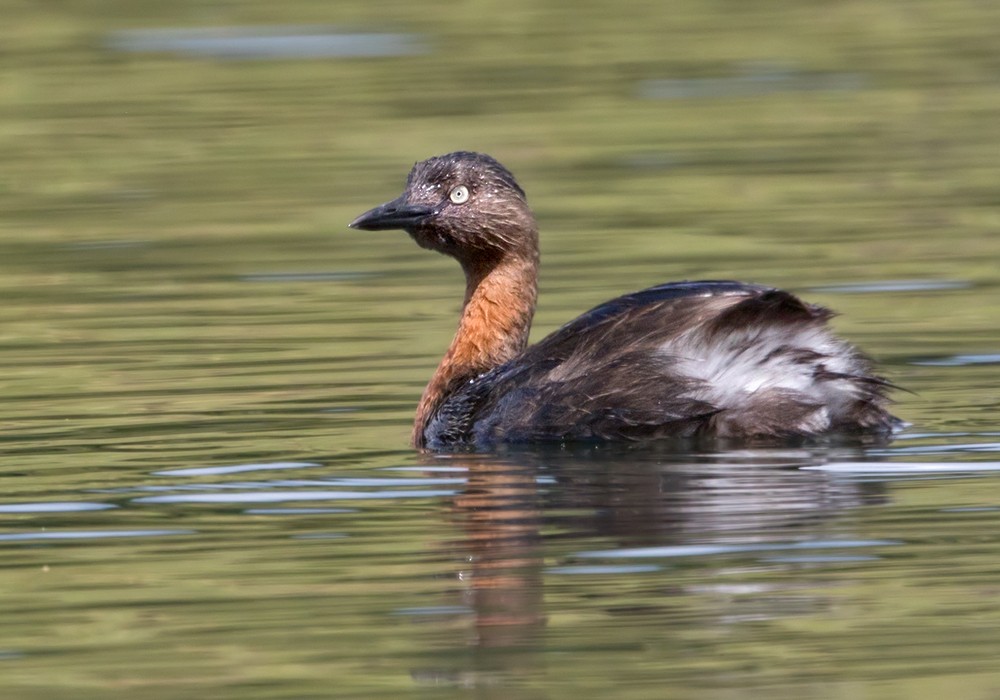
<point x="496" y="318"/>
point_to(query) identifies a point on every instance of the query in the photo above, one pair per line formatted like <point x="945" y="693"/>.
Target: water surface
<point x="207" y="380"/>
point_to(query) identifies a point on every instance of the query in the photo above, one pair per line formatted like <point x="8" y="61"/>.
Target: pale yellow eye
<point x="459" y="195"/>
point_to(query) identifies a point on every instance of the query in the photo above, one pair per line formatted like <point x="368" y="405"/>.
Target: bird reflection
<point x="520" y="510"/>
<point x="500" y="516"/>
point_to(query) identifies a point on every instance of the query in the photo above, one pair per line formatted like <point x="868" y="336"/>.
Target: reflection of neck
<point x="500" y="512"/>
<point x="496" y="318"/>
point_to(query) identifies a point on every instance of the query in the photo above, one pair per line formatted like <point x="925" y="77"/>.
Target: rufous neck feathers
<point x="496" y="319"/>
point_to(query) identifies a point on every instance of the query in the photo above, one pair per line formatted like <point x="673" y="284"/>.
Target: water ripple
<point x="603" y="570"/>
<point x="276" y="42"/>
<point x="88" y="534"/>
<point x="54" y="507"/>
<point x="298" y="511"/>
<point x="282" y="496"/>
<point x="904" y="468"/>
<point x="698" y="550"/>
<point x="961" y="360"/>
<point x="893" y="286"/>
<point x="234" y="469"/>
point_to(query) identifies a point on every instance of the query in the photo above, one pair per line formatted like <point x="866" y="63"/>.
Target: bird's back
<point x="688" y="359"/>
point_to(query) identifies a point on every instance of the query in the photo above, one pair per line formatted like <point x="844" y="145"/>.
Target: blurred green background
<point x="179" y="289"/>
<point x="802" y="144"/>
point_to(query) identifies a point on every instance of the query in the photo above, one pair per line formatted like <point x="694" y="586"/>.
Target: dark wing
<point x="723" y="359"/>
<point x="600" y="377"/>
<point x="660" y="294"/>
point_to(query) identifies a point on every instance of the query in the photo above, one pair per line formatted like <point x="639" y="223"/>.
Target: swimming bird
<point x="708" y="359"/>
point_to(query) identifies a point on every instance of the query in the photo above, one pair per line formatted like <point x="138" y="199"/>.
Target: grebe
<point x="679" y="360"/>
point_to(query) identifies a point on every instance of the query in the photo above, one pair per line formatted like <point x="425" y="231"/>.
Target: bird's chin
<point x="427" y="238"/>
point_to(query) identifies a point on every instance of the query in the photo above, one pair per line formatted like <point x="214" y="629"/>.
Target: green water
<point x="206" y="379"/>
